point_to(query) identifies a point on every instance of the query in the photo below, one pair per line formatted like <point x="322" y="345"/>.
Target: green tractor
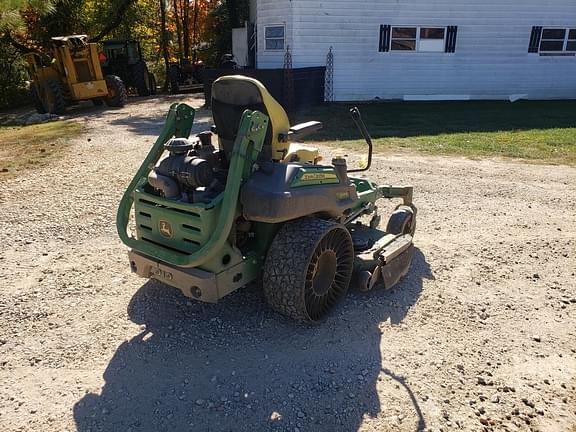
<point x="244" y="202"/>
<point x="124" y="58"/>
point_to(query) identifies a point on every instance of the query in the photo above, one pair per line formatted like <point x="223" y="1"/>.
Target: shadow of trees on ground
<point x="237" y="366"/>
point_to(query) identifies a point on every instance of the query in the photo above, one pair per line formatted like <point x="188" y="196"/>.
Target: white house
<point x="426" y="49"/>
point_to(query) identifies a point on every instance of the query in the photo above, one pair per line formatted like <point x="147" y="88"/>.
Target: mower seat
<point x="232" y="95"/>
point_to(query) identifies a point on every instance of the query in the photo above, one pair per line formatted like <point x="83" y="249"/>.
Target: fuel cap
<point x="179" y="145"/>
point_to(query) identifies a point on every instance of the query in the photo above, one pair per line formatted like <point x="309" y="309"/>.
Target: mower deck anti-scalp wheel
<point x="117" y="95"/>
<point x="308" y="268"/>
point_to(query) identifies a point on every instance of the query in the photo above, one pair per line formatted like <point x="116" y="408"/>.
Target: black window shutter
<point x="451" y="33"/>
<point x="384" y="38"/>
<point x="535" y="39"/>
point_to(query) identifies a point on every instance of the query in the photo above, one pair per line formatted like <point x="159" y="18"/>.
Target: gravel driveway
<point x="480" y="335"/>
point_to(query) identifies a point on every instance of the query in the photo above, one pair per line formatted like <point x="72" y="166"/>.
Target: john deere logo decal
<point x="165" y="229"/>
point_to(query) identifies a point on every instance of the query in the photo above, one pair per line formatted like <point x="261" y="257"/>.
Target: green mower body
<point x="209" y="221"/>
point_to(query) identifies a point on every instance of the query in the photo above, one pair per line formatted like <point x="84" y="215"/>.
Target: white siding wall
<point x="272" y="12"/>
<point x="491" y="59"/>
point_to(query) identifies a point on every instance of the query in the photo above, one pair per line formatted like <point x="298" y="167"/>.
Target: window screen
<point x="274" y="36"/>
<point x="432" y="39"/>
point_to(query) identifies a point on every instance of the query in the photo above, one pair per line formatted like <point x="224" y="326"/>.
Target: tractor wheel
<point x="53" y="100"/>
<point x="308" y="268"/>
<point x="173" y="76"/>
<point x="141" y="79"/>
<point x="153" y="83"/>
<point x="402" y="221"/>
<point x="117" y="96"/>
<point x="36" y="100"/>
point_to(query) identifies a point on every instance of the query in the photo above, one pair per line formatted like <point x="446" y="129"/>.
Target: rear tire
<point x="36" y="100"/>
<point x="117" y="95"/>
<point x="54" y="101"/>
<point x="308" y="268"/>
<point x="141" y="79"/>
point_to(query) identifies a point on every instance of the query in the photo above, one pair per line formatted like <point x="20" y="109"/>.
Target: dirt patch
<point x="480" y="335"/>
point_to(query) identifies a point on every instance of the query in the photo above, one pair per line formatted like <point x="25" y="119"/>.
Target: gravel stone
<point x="90" y="346"/>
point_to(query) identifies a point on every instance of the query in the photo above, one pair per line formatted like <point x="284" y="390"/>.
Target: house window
<point x="432" y="39"/>
<point x="404" y="38"/>
<point x="571" y="42"/>
<point x="556" y="41"/>
<point x="274" y="37"/>
<point x="420" y="39"/>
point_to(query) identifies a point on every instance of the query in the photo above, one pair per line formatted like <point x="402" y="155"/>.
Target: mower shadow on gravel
<point x="237" y="366"/>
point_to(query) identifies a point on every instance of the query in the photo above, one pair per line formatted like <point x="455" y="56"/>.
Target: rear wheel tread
<point x="141" y="78"/>
<point x="121" y="97"/>
<point x="290" y="264"/>
<point x="59" y="106"/>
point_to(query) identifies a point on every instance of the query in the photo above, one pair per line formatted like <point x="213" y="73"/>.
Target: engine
<point x="191" y="171"/>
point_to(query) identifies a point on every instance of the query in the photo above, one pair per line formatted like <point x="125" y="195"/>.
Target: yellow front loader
<point x="72" y="73"/>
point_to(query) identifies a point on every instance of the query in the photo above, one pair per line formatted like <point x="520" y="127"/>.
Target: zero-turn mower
<point x="209" y="219"/>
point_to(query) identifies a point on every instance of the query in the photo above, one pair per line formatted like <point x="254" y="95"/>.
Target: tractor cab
<point x="121" y="51"/>
<point x="124" y="58"/>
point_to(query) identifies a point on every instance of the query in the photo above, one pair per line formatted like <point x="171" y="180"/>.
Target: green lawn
<point x="538" y="131"/>
<point x="25" y="147"/>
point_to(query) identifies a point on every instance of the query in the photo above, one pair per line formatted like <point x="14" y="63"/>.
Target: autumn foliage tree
<point x="168" y="30"/>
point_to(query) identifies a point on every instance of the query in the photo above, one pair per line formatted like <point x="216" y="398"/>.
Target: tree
<point x="12" y="75"/>
<point x="177" y="8"/>
<point x="164" y="41"/>
<point x="12" y="21"/>
<point x="116" y="16"/>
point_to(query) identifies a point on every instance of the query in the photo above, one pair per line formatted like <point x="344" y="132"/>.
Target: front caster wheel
<point x="308" y="268"/>
<point x="402" y="221"/>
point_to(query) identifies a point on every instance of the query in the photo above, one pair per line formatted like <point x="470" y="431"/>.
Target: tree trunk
<point x="186" y="28"/>
<point x="195" y="27"/>
<point x="164" y="42"/>
<point x="178" y="27"/>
